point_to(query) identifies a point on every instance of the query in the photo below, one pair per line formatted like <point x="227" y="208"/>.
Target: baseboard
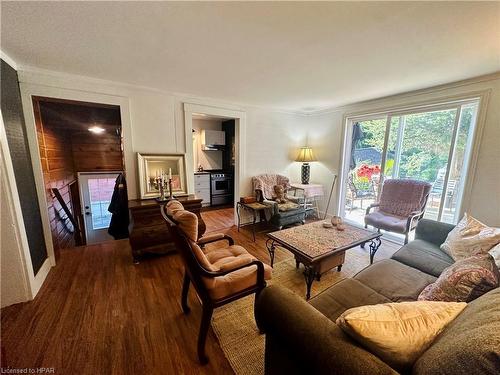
<point x="37" y="281"/>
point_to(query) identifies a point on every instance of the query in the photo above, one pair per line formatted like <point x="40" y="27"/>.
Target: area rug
<point x="234" y="324"/>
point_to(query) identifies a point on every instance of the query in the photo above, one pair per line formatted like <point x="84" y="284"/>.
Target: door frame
<point x="81" y="197"/>
<point x="436" y="104"/>
<point x="30" y="90"/>
<point x="240" y="133"/>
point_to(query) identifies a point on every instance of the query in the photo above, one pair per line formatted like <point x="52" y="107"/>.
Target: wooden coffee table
<point x="321" y="249"/>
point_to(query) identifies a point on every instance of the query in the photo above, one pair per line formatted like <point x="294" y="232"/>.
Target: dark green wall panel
<point x="15" y="129"/>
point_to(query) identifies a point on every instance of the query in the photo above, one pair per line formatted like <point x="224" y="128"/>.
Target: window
<point x="430" y="143"/>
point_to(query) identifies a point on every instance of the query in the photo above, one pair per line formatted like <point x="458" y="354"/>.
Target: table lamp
<point x="305" y="157"/>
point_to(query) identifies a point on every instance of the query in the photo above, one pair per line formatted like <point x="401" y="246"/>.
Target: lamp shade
<point x="305" y="155"/>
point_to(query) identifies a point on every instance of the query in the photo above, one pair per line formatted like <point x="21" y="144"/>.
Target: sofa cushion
<point x="287" y="206"/>
<point x="394" y="280"/>
<point x="292" y="213"/>
<point x="344" y="295"/>
<point x="424" y="256"/>
<point x="386" y="221"/>
<point x="470" y="344"/>
<point x="464" y="280"/>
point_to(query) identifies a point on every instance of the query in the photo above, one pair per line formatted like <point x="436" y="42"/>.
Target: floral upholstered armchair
<point x="282" y="214"/>
<point x="400" y="207"/>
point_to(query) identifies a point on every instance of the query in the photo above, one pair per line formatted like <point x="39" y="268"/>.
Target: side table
<point x="311" y="193"/>
<point x="254" y="208"/>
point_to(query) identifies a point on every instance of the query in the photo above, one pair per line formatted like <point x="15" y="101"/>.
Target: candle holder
<point x="171" y="196"/>
<point x="161" y="187"/>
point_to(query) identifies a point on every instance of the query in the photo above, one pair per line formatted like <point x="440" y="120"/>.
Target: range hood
<point x="213" y="140"/>
<point x="212" y="147"/>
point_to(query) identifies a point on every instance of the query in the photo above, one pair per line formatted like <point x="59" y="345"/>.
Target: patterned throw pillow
<point x="464" y="280"/>
<point x="470" y="237"/>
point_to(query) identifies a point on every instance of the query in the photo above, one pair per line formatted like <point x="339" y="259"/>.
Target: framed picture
<point x="153" y="166"/>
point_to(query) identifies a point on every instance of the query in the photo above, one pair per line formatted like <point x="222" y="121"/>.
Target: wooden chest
<point x="148" y="231"/>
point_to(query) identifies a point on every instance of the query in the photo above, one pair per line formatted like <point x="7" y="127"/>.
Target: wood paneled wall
<point x="96" y="152"/>
<point x="58" y="172"/>
<point x="67" y="147"/>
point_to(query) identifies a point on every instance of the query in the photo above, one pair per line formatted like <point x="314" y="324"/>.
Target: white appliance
<point x="202" y="187"/>
<point x="212" y="140"/>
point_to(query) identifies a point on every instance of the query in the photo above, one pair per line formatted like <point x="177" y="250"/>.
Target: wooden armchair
<point x="219" y="276"/>
<point x="400" y="207"/>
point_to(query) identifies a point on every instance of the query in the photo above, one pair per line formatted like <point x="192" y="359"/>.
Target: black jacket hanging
<point x="118" y="228"/>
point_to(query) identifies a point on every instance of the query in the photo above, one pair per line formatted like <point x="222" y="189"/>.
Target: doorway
<point x="228" y="141"/>
<point x="431" y="144"/>
<point x="96" y="192"/>
<point x="77" y="139"/>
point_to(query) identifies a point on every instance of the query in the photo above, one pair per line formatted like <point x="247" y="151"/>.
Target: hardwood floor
<point x="97" y="313"/>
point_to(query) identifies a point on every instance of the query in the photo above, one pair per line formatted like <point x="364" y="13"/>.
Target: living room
<point x="292" y="76"/>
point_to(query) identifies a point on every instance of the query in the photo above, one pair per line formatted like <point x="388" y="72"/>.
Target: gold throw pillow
<point x="398" y="333"/>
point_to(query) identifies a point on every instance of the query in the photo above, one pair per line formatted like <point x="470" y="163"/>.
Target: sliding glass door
<point x="430" y="144"/>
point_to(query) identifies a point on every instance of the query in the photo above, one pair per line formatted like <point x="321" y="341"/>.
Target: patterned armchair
<point x="282" y="214"/>
<point x="400" y="207"/>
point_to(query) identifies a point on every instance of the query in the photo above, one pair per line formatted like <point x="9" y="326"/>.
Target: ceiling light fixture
<point x="96" y="129"/>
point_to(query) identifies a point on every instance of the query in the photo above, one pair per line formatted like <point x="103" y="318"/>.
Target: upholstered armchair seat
<point x="225" y="259"/>
<point x="386" y="221"/>
<point x="401" y="206"/>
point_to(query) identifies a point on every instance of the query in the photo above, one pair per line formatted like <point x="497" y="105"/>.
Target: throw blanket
<point x="402" y="197"/>
<point x="266" y="183"/>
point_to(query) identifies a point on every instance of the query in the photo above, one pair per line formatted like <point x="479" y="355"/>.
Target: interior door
<point x="96" y="192"/>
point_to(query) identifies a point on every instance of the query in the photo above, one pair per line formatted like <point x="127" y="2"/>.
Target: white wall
<point x="272" y="143"/>
<point x="326" y="132"/>
<point x="157" y="123"/>
<point x="14" y="287"/>
<point x="207" y="159"/>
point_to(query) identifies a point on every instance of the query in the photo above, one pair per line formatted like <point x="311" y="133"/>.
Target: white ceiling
<point x="298" y="56"/>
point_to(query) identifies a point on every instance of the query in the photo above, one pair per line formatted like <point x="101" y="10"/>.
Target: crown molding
<point x="5" y="57"/>
<point x="34" y="75"/>
<point x="408" y="94"/>
<point x="45" y="77"/>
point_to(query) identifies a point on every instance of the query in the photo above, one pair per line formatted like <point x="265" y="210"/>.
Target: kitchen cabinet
<point x="213" y="138"/>
<point x="202" y="187"/>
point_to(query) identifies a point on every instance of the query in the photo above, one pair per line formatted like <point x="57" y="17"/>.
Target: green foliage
<point x="426" y="141"/>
